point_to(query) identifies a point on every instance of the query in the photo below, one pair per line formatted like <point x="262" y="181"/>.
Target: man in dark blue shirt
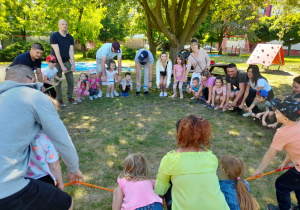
<point x="62" y="45"/>
<point x="32" y="59"/>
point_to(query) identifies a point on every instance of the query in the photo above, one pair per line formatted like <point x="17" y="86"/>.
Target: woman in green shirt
<point x="192" y="169"/>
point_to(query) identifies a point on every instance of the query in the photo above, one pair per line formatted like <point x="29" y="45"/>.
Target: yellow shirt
<point x="195" y="183"/>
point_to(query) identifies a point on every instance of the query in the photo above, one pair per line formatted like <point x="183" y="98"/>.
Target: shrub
<point x="92" y="52"/>
<point x="10" y="52"/>
<point x="128" y="53"/>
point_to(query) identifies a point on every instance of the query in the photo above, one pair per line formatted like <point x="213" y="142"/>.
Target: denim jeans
<point x="286" y="183"/>
<point x="153" y="206"/>
<point x="93" y="91"/>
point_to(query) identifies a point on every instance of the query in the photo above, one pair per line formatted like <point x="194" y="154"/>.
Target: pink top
<point x="82" y="85"/>
<point x="209" y="82"/>
<point x="179" y="71"/>
<point x="220" y="91"/>
<point x="138" y="194"/>
<point x="93" y="83"/>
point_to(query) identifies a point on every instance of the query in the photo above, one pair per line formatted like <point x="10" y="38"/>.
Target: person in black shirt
<point x="236" y="84"/>
<point x="62" y="45"/>
<point x="32" y="59"/>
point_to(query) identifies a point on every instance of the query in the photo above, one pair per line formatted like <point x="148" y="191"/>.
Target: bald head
<point x="20" y="73"/>
<point x="63" y="26"/>
<point x="61" y="21"/>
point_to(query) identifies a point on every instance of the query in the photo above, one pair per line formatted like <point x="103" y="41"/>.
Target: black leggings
<point x="51" y="92"/>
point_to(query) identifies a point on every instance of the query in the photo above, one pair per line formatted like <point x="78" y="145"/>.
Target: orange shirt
<point x="288" y="137"/>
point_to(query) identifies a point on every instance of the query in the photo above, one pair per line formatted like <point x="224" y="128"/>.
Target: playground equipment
<point x="235" y="45"/>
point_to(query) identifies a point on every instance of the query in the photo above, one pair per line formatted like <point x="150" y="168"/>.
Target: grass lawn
<point x="106" y="130"/>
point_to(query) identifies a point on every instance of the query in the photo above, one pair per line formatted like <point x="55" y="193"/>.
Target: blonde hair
<point x="233" y="167"/>
<point x="135" y="168"/>
<point x="54" y="102"/>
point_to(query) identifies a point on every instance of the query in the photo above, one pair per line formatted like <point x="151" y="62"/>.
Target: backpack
<point x="185" y="54"/>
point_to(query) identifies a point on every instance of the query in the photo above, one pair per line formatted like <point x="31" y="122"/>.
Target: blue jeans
<point x="286" y="183"/>
<point x="153" y="206"/>
<point x="93" y="91"/>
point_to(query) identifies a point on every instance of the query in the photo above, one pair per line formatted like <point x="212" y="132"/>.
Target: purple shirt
<point x="209" y="82"/>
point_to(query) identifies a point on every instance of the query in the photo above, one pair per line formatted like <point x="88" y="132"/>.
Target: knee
<point x="232" y="95"/>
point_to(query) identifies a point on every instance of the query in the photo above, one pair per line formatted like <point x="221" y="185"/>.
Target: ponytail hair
<point x="233" y="167"/>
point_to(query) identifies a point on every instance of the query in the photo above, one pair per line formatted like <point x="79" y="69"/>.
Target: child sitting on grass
<point x="111" y="76"/>
<point x="94" y="84"/>
<point x="206" y="88"/>
<point x="286" y="137"/>
<point x="236" y="190"/>
<point x="82" y="87"/>
<point x="126" y="85"/>
<point x="219" y="89"/>
<point x="135" y="190"/>
<point x="44" y="161"/>
<point x="194" y="89"/>
<point x="262" y="105"/>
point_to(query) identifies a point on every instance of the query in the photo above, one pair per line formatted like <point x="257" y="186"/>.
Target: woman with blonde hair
<point x="163" y="73"/>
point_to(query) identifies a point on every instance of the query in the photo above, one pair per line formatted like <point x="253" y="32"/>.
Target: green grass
<point x="106" y="130"/>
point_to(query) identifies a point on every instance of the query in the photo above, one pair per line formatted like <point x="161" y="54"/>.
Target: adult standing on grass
<point x="198" y="59"/>
<point x="143" y="58"/>
<point x="24" y="110"/>
<point x="236" y="84"/>
<point x="104" y="54"/>
<point x="62" y="47"/>
<point x="32" y="59"/>
<point x="288" y="138"/>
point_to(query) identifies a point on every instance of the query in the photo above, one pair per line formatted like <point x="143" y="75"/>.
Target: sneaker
<point x="78" y="100"/>
<point x="239" y="111"/>
<point x="248" y="114"/>
<point x="116" y="93"/>
<point x="82" y="98"/>
<point x="192" y="98"/>
<point x="99" y="94"/>
<point x="95" y="96"/>
<point x="174" y="96"/>
<point x="127" y="94"/>
<point x="224" y="109"/>
<point x="161" y="94"/>
<point x="210" y="107"/>
<point x="112" y="95"/>
<point x="272" y="207"/>
<point x="234" y="109"/>
<point x="181" y="97"/>
<point x="137" y="94"/>
<point x="91" y="98"/>
<point x="107" y="95"/>
<point x="204" y="103"/>
<point x="123" y="94"/>
<point x="216" y="108"/>
<point x="197" y="102"/>
<point x="72" y="101"/>
<point x="146" y="93"/>
<point x="165" y="94"/>
<point x="61" y="103"/>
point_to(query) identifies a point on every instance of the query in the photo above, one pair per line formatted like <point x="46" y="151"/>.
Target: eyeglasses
<point x="29" y="77"/>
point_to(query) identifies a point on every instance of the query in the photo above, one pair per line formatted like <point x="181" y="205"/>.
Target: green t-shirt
<point x="195" y="184"/>
<point x="262" y="107"/>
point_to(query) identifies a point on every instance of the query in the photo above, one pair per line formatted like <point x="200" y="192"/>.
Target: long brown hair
<point x="135" y="168"/>
<point x="233" y="167"/>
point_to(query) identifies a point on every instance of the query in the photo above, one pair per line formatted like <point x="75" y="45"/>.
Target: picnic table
<point x="219" y="65"/>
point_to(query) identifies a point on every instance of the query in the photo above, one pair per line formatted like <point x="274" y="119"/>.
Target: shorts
<point x="98" y="61"/>
<point x="37" y="195"/>
<point x="235" y="90"/>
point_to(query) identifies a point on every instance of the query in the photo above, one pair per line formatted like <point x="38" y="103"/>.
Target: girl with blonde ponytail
<point x="236" y="190"/>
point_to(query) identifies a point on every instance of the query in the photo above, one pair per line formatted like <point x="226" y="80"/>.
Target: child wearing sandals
<point x="135" y="190"/>
<point x="236" y="190"/>
<point x="263" y="106"/>
<point x="178" y="73"/>
<point x="219" y="94"/>
<point x="44" y="161"/>
<point x="82" y="87"/>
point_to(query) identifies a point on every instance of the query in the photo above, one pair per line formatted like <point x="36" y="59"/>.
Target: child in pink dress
<point x="135" y="190"/>
<point x="219" y="94"/>
<point x="178" y="72"/>
<point x="82" y="87"/>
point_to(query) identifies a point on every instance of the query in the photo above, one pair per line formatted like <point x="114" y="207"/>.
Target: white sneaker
<point x="82" y="98"/>
<point x="165" y="94"/>
<point x="107" y="95"/>
<point x="78" y="100"/>
<point x="112" y="95"/>
<point x="91" y="98"/>
<point x="95" y="96"/>
<point x="192" y="98"/>
<point x="99" y="94"/>
<point x="116" y="93"/>
<point x="248" y="114"/>
<point x="174" y="96"/>
<point x="161" y="94"/>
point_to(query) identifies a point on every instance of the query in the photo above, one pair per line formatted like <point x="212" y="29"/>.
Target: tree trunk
<point x="289" y="49"/>
<point x="175" y="48"/>
<point x="23" y="34"/>
<point x="220" y="42"/>
<point x="152" y="45"/>
<point x="83" y="50"/>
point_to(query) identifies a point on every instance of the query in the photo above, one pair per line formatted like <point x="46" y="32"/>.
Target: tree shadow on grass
<point x="277" y="72"/>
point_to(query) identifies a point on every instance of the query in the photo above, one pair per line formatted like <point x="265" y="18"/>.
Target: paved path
<point x="2" y="72"/>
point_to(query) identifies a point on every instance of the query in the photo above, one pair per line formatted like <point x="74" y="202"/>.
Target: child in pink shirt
<point x="94" y="82"/>
<point x="82" y="87"/>
<point x="179" y="72"/>
<point x="135" y="190"/>
<point x="205" y="90"/>
<point x="220" y="90"/>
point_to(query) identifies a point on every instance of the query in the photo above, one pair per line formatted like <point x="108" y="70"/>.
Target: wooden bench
<point x="219" y="65"/>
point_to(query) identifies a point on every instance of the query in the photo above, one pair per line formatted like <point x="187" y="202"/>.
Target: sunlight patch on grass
<point x="138" y="115"/>
<point x="123" y="141"/>
<point x="234" y="133"/>
<point x="140" y="125"/>
<point x="110" y="163"/>
<point x="141" y="137"/>
<point x="255" y="142"/>
<point x="269" y="200"/>
<point x="251" y="170"/>
<point x="111" y="149"/>
<point x="104" y="130"/>
<point x="79" y="193"/>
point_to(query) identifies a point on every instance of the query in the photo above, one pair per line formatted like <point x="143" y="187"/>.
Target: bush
<point x="10" y="52"/>
<point x="128" y="53"/>
<point x="92" y="52"/>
